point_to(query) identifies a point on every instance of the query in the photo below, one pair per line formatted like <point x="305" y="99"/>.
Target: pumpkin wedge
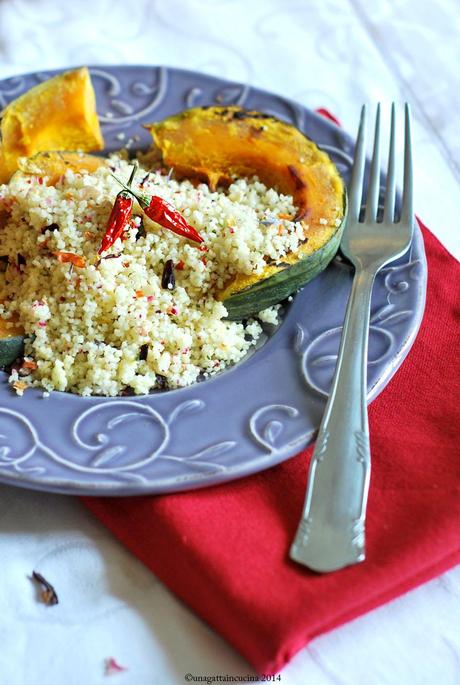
<point x="11" y="343"/>
<point x="58" y="114"/>
<point x="53" y="165"/>
<point x="217" y="144"/>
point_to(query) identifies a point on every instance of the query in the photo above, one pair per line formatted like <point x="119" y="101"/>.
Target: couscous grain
<point x="108" y="326"/>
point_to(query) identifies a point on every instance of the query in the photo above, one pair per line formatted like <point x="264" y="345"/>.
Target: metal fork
<point x="331" y="532"/>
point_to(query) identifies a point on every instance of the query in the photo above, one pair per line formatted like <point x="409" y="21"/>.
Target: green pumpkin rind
<point x="10" y="349"/>
<point x="281" y="285"/>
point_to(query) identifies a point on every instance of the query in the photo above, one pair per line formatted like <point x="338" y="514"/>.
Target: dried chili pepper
<point x="48" y="594"/>
<point x="70" y="257"/>
<point x="119" y="216"/>
<point x="20" y="387"/>
<point x="164" y="214"/>
<point x="28" y="365"/>
<point x="168" y="280"/>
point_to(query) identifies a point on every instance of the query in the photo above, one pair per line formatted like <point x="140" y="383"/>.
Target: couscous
<point x="116" y="323"/>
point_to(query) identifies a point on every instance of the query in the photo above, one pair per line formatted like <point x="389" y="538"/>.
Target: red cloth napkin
<point x="224" y="550"/>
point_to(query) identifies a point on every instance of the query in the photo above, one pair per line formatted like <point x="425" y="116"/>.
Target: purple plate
<point x="252" y="416"/>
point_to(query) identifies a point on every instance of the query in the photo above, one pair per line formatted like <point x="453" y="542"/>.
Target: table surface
<point x="331" y="53"/>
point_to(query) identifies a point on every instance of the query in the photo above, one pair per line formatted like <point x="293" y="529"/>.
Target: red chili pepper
<point x="119" y="216"/>
<point x="163" y="213"/>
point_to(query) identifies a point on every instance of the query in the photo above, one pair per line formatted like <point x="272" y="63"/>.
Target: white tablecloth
<point x="332" y="53"/>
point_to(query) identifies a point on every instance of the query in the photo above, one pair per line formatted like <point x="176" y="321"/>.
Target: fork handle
<point x="331" y="531"/>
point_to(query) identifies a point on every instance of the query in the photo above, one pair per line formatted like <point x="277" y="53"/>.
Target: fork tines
<point x="373" y="192"/>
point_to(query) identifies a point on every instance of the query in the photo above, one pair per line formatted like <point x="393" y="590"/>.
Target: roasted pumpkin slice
<point x="11" y="343"/>
<point x="217" y="144"/>
<point x="58" y="114"/>
<point x="5" y="173"/>
<point x="53" y="165"/>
